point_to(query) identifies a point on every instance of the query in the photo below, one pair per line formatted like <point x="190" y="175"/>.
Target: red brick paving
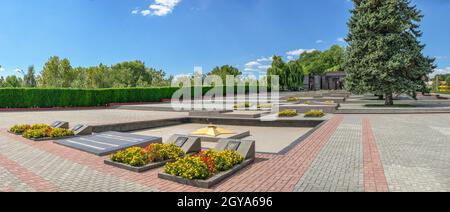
<point x="26" y="176"/>
<point x="8" y="189"/>
<point x="374" y="177"/>
<point x="269" y="173"/>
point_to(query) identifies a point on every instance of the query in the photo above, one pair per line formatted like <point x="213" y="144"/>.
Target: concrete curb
<point x="392" y="111"/>
<point x="48" y="138"/>
<point x="137" y="169"/>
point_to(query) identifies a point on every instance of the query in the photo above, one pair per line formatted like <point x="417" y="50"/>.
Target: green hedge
<point x="59" y="97"/>
<point x="46" y="98"/>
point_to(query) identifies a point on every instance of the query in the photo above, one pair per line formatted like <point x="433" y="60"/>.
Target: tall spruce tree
<point x="384" y="55"/>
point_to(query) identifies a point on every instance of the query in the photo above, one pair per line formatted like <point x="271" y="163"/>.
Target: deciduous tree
<point x="13" y="82"/>
<point x="225" y="71"/>
<point x="29" y="79"/>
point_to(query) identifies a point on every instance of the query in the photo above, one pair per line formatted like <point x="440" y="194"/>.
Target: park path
<point x="348" y="153"/>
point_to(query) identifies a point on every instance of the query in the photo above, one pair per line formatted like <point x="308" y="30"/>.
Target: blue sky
<point x="177" y="35"/>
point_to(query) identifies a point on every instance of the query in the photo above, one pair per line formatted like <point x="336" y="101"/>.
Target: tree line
<point x="311" y="63"/>
<point x="59" y="73"/>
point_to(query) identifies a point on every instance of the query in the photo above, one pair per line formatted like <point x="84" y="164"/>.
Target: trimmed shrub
<point x="315" y="113"/>
<point x="292" y="99"/>
<point x="264" y="106"/>
<point x="287" y="113"/>
<point x="243" y="105"/>
<point x="66" y="97"/>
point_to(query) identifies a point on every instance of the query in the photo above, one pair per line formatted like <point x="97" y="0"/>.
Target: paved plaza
<point x="90" y="117"/>
<point x="348" y="153"/>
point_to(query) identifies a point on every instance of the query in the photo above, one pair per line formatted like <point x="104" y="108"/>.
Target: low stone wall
<point x="325" y="99"/>
<point x="142" y="125"/>
<point x="306" y="108"/>
<point x="239" y="114"/>
<point x="257" y="122"/>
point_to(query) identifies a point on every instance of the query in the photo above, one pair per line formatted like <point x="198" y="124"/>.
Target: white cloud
<point x="158" y="8"/>
<point x="2" y="69"/>
<point x="135" y="11"/>
<point x="264" y="59"/>
<point x="319" y="41"/>
<point x="341" y="40"/>
<point x="163" y="7"/>
<point x="146" y="12"/>
<point x="264" y="67"/>
<point x="252" y="64"/>
<point x="440" y="57"/>
<point x="298" y="52"/>
<point x="441" y="71"/>
<point x="259" y="65"/>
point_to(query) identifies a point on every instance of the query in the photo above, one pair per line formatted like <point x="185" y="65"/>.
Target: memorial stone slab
<point x="246" y="149"/>
<point x="106" y="143"/>
<point x="190" y="144"/>
<point x="82" y="129"/>
<point x="60" y="124"/>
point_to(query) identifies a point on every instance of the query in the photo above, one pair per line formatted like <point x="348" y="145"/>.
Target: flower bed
<point x="242" y="105"/>
<point x="40" y="132"/>
<point x="143" y="159"/>
<point x="288" y="113"/>
<point x="314" y="114"/>
<point x="293" y="99"/>
<point x="19" y="129"/>
<point x="204" y="165"/>
<point x="205" y="169"/>
<point x="264" y="106"/>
